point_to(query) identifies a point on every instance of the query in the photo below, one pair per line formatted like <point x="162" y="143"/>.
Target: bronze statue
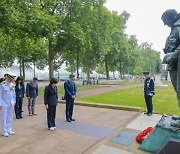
<point x="172" y="48"/>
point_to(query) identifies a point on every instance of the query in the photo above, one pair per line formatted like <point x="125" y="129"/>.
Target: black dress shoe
<point x="21" y="117"/>
<point x="17" y="117"/>
<point x="68" y="120"/>
<point x="149" y="114"/>
<point x="72" y="119"/>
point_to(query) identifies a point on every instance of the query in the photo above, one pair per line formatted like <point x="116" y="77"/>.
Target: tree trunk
<point x="120" y="70"/>
<point x="23" y="69"/>
<point x="50" y="61"/>
<point x="107" y="69"/>
<point x="114" y="75"/>
<point x="123" y="69"/>
<point x="34" y="69"/>
<point x="20" y="67"/>
<point x="88" y="74"/>
<point x="77" y="65"/>
<point x="87" y="71"/>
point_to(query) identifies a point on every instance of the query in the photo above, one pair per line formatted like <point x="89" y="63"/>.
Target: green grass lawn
<point x="164" y="101"/>
<point x="79" y="88"/>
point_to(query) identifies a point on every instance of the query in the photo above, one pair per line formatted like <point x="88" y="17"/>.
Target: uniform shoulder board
<point x="151" y="78"/>
<point x="2" y="83"/>
<point x="2" y="80"/>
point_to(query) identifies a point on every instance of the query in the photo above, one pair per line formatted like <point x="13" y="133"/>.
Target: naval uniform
<point x="148" y="93"/>
<point x="7" y="101"/>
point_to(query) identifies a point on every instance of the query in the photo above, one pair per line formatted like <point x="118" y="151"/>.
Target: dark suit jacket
<point x="70" y="90"/>
<point x="31" y="90"/>
<point x="20" y="92"/>
<point x="50" y="95"/>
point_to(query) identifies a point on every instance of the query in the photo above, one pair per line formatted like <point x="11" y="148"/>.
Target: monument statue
<point x="172" y="48"/>
<point x="168" y="127"/>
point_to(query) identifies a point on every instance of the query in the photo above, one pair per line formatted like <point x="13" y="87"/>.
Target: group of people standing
<point x="12" y="94"/>
<point x="11" y="100"/>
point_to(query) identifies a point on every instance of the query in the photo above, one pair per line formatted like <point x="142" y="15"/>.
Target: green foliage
<point x="82" y="33"/>
<point x="138" y="70"/>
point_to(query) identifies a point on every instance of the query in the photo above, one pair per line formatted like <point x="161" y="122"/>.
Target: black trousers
<point x="149" y="104"/>
<point x="69" y="109"/>
<point x="18" y="107"/>
<point x="51" y="115"/>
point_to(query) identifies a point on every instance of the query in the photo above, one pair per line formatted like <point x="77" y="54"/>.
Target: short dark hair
<point x="54" y="80"/>
<point x="71" y="76"/>
<point x="35" y="78"/>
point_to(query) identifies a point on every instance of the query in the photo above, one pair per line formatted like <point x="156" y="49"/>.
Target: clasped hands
<point x="73" y="96"/>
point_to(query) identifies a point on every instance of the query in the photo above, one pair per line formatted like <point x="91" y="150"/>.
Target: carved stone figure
<point x="172" y="48"/>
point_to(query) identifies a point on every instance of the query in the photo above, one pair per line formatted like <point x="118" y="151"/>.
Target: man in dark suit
<point x="70" y="95"/>
<point x="148" y="92"/>
<point x="31" y="94"/>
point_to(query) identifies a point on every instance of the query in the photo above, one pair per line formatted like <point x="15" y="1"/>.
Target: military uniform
<point x="7" y="102"/>
<point x="70" y="90"/>
<point x="148" y="94"/>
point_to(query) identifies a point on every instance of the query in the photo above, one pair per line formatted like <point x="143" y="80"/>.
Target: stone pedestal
<point x="158" y="82"/>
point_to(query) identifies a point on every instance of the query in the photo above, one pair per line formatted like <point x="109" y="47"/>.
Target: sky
<point x="145" y="19"/>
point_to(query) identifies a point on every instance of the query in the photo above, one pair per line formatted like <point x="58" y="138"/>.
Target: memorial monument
<point x="165" y="137"/>
<point x="172" y="48"/>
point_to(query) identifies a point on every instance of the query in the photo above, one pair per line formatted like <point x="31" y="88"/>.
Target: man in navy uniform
<point x="148" y="92"/>
<point x="70" y="95"/>
<point x="7" y="102"/>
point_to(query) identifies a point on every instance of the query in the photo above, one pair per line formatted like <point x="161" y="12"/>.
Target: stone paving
<point x="105" y="145"/>
<point x="90" y="133"/>
<point x="32" y="135"/>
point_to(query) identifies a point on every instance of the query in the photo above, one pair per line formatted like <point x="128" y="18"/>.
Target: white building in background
<point x="40" y="74"/>
<point x="15" y="69"/>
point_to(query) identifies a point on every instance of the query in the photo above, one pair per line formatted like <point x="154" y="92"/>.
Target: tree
<point x="149" y="57"/>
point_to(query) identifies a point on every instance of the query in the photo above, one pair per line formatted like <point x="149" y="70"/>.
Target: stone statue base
<point x="167" y="128"/>
<point x="158" y="83"/>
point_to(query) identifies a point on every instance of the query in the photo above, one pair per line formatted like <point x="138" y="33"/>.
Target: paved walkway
<point x="89" y="134"/>
<point x="32" y="135"/>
